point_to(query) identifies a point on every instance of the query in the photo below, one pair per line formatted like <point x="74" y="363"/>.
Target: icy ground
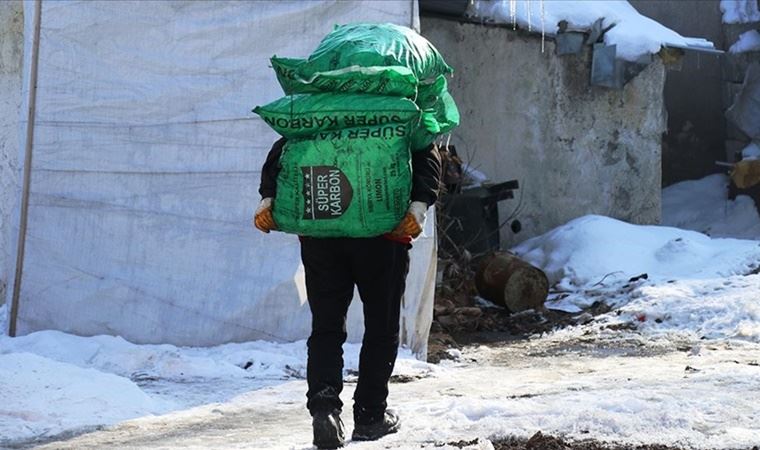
<point x="675" y="362"/>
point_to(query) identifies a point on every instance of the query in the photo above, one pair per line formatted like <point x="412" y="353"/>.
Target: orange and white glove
<point x="413" y="221"/>
<point x="262" y="218"/>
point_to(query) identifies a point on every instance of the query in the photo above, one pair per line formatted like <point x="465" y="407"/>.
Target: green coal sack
<point x="352" y="182"/>
<point x="375" y="44"/>
<point x="439" y="113"/>
<point x="302" y="115"/>
<point x="393" y="80"/>
<point x="381" y="59"/>
<point x="368" y="96"/>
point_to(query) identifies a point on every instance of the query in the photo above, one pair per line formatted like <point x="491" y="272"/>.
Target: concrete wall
<point x="693" y="95"/>
<point x="532" y="116"/>
<point x="11" y="53"/>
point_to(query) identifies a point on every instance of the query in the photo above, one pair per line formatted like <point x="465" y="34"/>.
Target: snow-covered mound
<point x="704" y="309"/>
<point x="43" y="397"/>
<point x="260" y="360"/>
<point x="52" y="382"/>
<point x="118" y="356"/>
<point x="747" y="42"/>
<point x="635" y="35"/>
<point x="703" y="205"/>
<point x="589" y="249"/>
<point x="739" y="11"/>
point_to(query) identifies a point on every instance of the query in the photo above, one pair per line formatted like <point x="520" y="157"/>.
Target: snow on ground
<point x="739" y="11"/>
<point x="703" y="206"/>
<point x="695" y="309"/>
<point x="704" y="400"/>
<point x="702" y="309"/>
<point x="106" y="379"/>
<point x="634" y="34"/>
<point x="41" y="397"/>
<point x="747" y="42"/>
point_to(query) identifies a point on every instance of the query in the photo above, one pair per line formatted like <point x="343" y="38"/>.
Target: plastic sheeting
<point x="146" y="166"/>
<point x="11" y="50"/>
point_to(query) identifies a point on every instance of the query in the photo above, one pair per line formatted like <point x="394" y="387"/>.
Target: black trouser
<point x="378" y="267"/>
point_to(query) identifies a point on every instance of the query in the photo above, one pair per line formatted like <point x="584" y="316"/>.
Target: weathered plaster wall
<point x="11" y="52"/>
<point x="532" y="116"/>
<point x="696" y="127"/>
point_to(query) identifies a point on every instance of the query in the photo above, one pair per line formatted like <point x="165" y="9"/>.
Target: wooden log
<point x="508" y="281"/>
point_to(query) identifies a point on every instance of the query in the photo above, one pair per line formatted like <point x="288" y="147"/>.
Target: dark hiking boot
<point x="328" y="430"/>
<point x="373" y="431"/>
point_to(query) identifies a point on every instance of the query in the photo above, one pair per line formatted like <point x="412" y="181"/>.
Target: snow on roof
<point x="634" y="34"/>
<point x="739" y="11"/>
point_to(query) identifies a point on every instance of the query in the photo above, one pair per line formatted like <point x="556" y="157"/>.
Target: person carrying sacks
<point x="353" y="176"/>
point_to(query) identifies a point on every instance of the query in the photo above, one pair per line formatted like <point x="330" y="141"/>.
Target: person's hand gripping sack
<point x="413" y="221"/>
<point x="263" y="219"/>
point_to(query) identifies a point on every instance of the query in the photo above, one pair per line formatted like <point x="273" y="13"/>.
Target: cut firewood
<point x="508" y="281"/>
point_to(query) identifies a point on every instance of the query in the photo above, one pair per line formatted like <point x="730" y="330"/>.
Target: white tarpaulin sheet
<point x="146" y="168"/>
<point x="11" y="51"/>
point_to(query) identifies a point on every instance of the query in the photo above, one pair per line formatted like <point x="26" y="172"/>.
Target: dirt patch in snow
<point x="498" y="326"/>
<point x="540" y="441"/>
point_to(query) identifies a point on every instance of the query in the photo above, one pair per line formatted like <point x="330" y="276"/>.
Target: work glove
<point x="263" y="219"/>
<point x="413" y="221"/>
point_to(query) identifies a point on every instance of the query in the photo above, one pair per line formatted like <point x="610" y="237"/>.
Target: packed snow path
<point x="585" y="383"/>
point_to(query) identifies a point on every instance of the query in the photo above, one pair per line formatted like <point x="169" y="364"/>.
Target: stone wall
<point x="533" y="116"/>
<point x="11" y="52"/>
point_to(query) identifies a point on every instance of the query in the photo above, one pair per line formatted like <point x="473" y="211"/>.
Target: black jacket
<point x="426" y="173"/>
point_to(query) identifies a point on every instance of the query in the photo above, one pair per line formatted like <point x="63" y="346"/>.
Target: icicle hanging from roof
<point x="513" y="13"/>
<point x="527" y="8"/>
<point x="543" y="26"/>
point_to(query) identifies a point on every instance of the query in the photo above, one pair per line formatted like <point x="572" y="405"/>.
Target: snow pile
<point x="752" y="151"/>
<point x="261" y="360"/>
<point x="590" y="249"/>
<point x="703" y="309"/>
<point x="747" y="42"/>
<point x="634" y="34"/>
<point x="739" y="11"/>
<point x="703" y="205"/>
<point x="695" y="285"/>
<point x="43" y="397"/>
<point x="117" y="356"/>
<point x="57" y="381"/>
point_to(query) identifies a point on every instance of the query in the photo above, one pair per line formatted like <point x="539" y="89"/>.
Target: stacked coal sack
<point x="353" y="112"/>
